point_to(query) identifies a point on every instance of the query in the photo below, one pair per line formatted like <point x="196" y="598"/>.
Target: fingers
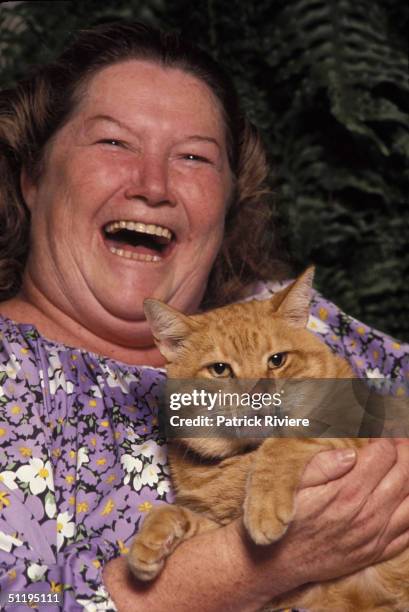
<point x="395" y="487"/>
<point x="352" y="490"/>
<point x="399" y="521"/>
<point x="363" y="509"/>
<point x="397" y="546"/>
<point x="388" y="503"/>
<point x="396" y="483"/>
<point x="327" y="466"/>
<point x="370" y="464"/>
<point x="374" y="462"/>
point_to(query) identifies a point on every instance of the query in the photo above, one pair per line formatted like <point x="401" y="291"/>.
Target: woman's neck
<point x="58" y="327"/>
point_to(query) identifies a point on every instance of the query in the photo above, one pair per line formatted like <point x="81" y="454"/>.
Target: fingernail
<point x="346" y="455"/>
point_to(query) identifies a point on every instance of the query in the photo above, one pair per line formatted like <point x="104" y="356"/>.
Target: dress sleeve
<point x="35" y="566"/>
<point x="371" y="353"/>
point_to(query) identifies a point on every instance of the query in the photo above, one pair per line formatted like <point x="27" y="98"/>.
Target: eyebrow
<point x="195" y="137"/>
<point x="110" y="119"/>
<point x="203" y="139"/>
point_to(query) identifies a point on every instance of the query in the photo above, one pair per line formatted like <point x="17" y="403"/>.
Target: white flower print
<point x="8" y="541"/>
<point x="163" y="487"/>
<point x="378" y="381"/>
<point x="150" y="448"/>
<point x="50" y="505"/>
<point x="9" y="479"/>
<point x="95" y="392"/>
<point x="147" y="449"/>
<point x="149" y="476"/>
<point x="82" y="457"/>
<point x="115" y="378"/>
<point x="104" y="604"/>
<point x="131" y="464"/>
<point x="317" y="325"/>
<point x="38" y="474"/>
<point x="375" y="373"/>
<point x="56" y="376"/>
<point x="36" y="572"/>
<point x="65" y="528"/>
<point x="12" y="367"/>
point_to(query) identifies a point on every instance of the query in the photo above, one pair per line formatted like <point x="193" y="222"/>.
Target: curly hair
<point x="33" y="112"/>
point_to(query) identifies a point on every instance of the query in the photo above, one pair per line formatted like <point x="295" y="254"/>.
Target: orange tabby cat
<point x="253" y="340"/>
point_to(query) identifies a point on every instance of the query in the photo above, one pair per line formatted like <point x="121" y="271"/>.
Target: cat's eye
<point x="277" y="360"/>
<point x="221" y="370"/>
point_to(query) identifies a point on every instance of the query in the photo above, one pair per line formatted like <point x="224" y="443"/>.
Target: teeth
<point x="136" y="256"/>
<point x="154" y="230"/>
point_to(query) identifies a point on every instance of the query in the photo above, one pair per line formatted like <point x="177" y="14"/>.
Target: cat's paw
<point x="164" y="528"/>
<point x="266" y="515"/>
<point x="147" y="556"/>
<point x="161" y="532"/>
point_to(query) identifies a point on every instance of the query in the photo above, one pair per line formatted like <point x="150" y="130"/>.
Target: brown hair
<point x="38" y="107"/>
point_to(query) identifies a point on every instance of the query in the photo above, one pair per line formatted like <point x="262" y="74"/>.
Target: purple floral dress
<point x="81" y="460"/>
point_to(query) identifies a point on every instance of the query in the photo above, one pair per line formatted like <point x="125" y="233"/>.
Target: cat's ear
<point x="295" y="306"/>
<point x="169" y="327"/>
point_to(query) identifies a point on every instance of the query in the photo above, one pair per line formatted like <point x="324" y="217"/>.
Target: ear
<point x="295" y="307"/>
<point x="28" y="189"/>
<point x="169" y="327"/>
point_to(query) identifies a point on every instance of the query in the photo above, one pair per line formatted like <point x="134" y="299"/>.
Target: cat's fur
<point x="258" y="484"/>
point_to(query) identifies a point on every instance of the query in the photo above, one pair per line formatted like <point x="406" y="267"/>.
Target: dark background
<point x="327" y="84"/>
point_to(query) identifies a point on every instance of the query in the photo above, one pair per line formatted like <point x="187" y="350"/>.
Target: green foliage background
<point x="327" y="83"/>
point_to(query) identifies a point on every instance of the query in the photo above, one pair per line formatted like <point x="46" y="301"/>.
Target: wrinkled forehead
<point x="132" y="80"/>
<point x="128" y="91"/>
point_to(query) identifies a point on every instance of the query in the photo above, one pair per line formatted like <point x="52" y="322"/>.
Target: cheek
<point x="205" y="197"/>
<point x="84" y="187"/>
<point x="96" y="175"/>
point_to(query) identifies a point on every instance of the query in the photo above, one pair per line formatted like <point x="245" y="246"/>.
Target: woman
<point x="124" y="162"/>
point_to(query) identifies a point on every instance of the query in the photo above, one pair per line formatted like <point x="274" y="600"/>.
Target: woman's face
<point x="132" y="200"/>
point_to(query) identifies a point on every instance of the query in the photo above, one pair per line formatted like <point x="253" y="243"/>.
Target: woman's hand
<point x="346" y="519"/>
<point x="354" y="521"/>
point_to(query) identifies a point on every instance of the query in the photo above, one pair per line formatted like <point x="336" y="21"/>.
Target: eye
<point x="111" y="141"/>
<point x="277" y="360"/>
<point x="196" y="158"/>
<point x="221" y="370"/>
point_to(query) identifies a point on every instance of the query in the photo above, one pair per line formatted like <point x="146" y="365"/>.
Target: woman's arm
<point x="342" y="524"/>
<point x="215" y="571"/>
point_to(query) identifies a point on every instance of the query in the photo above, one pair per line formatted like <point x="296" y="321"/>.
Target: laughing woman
<point x="128" y="171"/>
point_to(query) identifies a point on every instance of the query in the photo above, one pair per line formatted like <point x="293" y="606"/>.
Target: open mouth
<point x="138" y="241"/>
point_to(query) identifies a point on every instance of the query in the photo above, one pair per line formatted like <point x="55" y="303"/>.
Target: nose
<point x="150" y="180"/>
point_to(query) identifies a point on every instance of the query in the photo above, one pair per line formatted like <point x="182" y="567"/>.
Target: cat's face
<point x="247" y="341"/>
<point x="253" y="340"/>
